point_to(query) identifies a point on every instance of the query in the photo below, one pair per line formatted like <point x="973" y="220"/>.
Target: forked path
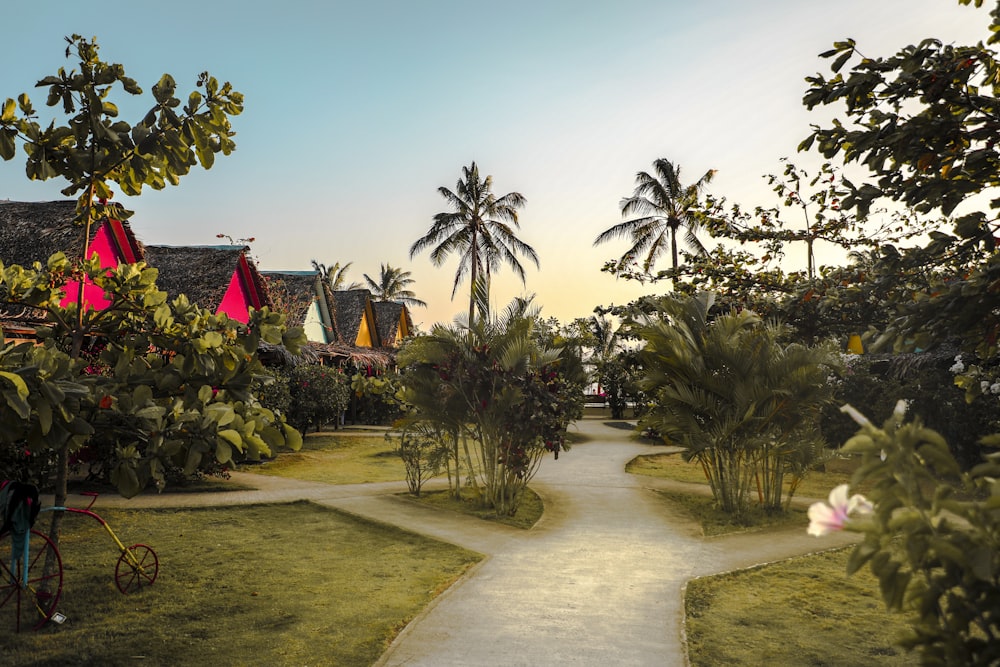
<point x="598" y="581"/>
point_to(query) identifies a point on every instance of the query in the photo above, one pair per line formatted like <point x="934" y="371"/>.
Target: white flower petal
<point x="838" y="496"/>
<point x="854" y="414"/>
<point x="858" y="504"/>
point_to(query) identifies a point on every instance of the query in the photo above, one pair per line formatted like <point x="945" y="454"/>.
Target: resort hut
<point x="305" y="299"/>
<point x="355" y="318"/>
<point x="393" y="322"/>
<point x="33" y="231"/>
<point x="222" y="278"/>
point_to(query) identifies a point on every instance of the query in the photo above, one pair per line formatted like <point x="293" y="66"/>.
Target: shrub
<point x="373" y="398"/>
<point x="927" y="383"/>
<point x="931" y="536"/>
<point x="319" y="394"/>
<point x="423" y="451"/>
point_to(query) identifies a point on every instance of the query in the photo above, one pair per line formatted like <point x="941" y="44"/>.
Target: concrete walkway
<point x="598" y="581"/>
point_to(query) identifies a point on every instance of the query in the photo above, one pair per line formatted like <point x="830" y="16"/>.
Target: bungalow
<point x="355" y="318"/>
<point x="393" y="322"/>
<point x="305" y="299"/>
<point x="33" y="231"/>
<point x="220" y="278"/>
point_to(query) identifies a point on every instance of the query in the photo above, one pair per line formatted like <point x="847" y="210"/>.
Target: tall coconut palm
<point x="391" y="286"/>
<point x="336" y="275"/>
<point x="481" y="230"/>
<point x="666" y="207"/>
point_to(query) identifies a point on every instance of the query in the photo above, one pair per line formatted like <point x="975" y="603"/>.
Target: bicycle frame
<point x="86" y="511"/>
<point x="136" y="568"/>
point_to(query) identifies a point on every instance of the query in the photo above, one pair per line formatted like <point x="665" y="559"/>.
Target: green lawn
<point x="801" y="611"/>
<point x="815" y="484"/>
<point x="338" y="459"/>
<point x="294" y="584"/>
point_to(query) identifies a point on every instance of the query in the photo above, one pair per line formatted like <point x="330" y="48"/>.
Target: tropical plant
<point x="336" y="275"/>
<point x="666" y="207"/>
<point x="424" y="450"/>
<point x="392" y="286"/>
<point x="180" y="373"/>
<point x="373" y="397"/>
<point x="499" y="400"/>
<point x="741" y="403"/>
<point x="931" y="534"/>
<point x="319" y="395"/>
<point x="607" y="357"/>
<point x="480" y="230"/>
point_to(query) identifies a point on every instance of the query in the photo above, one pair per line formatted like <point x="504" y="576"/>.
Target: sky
<point x="355" y="114"/>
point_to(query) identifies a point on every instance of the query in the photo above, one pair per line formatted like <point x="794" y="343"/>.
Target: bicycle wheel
<point x="34" y="605"/>
<point x="137" y="567"/>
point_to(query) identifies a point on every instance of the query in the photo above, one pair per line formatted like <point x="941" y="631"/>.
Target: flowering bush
<point x="20" y="463"/>
<point x="928" y="383"/>
<point x="319" y="394"/>
<point x="931" y="536"/>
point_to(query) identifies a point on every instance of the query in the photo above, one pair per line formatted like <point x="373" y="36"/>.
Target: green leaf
<point x="8" y="148"/>
<point x="223" y="451"/>
<point x="7" y="115"/>
<point x="18" y="382"/>
<point x="841" y="59"/>
<point x="44" y="411"/>
<point x="232" y="437"/>
<point x="152" y="412"/>
<point x="293" y="439"/>
<point x="861" y="555"/>
<point x="193" y="461"/>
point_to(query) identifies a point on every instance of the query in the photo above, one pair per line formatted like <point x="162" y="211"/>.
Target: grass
<point x="800" y="612"/>
<point x="338" y="459"/>
<point x="529" y="511"/>
<point x="816" y="484"/>
<point x="294" y="584"/>
<point x="713" y="521"/>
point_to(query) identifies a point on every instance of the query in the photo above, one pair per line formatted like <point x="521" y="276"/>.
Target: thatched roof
<point x="33" y="231"/>
<point x="293" y="292"/>
<point x="388" y="315"/>
<point x="349" y="308"/>
<point x="278" y="355"/>
<point x="357" y="356"/>
<point x="202" y="273"/>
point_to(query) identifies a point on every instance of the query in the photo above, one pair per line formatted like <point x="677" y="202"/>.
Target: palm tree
<point x="391" y="286"/>
<point x="666" y="206"/>
<point x="480" y="230"/>
<point x="336" y="275"/>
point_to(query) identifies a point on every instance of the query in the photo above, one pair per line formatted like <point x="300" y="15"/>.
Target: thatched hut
<point x="31" y="232"/>
<point x="393" y="322"/>
<point x="222" y="279"/>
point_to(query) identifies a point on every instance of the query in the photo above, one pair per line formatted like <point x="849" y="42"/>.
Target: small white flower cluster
<point x="986" y="386"/>
<point x="958" y="366"/>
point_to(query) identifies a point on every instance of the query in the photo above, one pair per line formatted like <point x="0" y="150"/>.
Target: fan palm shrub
<point x="741" y="402"/>
<point x="499" y="400"/>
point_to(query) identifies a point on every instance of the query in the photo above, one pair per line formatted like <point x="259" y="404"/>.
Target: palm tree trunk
<point x="473" y="277"/>
<point x="673" y="255"/>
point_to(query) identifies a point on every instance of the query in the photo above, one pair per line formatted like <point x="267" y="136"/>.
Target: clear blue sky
<point x="356" y="112"/>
